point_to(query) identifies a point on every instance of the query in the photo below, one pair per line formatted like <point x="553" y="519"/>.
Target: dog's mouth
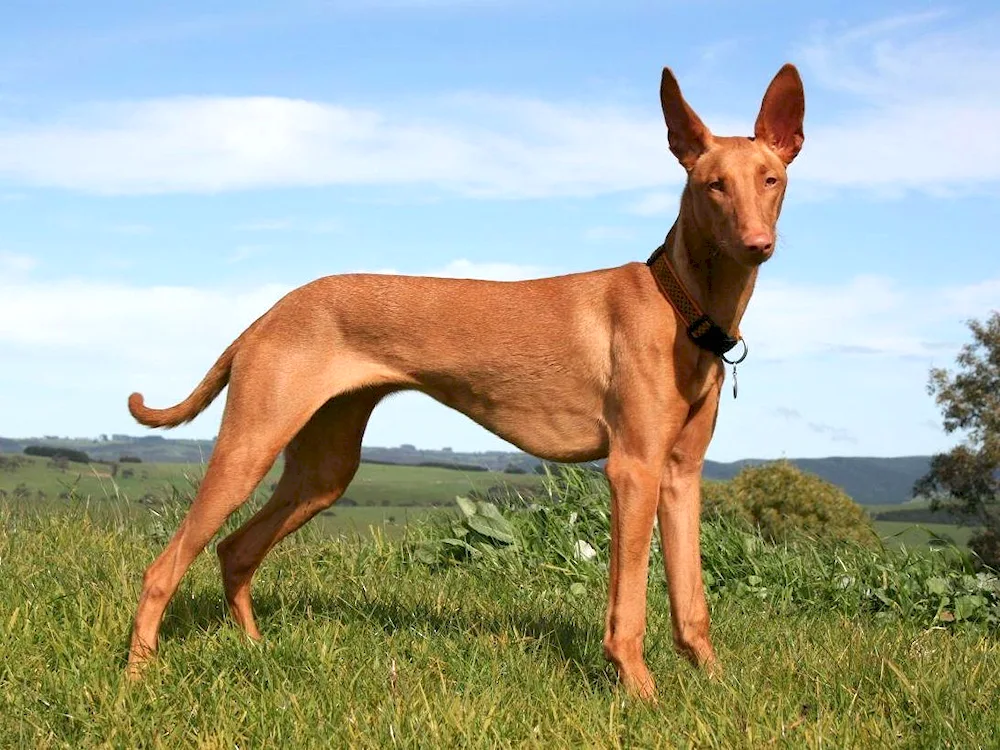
<point x="748" y="256"/>
<point x="755" y="257"/>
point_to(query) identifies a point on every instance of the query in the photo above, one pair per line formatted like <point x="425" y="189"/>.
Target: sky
<point x="168" y="172"/>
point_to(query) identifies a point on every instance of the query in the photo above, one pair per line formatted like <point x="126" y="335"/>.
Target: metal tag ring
<point x="746" y="350"/>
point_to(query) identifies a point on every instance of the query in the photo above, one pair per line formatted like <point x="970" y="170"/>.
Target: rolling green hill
<point x="869" y="480"/>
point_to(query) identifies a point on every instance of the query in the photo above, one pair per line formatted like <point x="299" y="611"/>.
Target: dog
<point x="623" y="363"/>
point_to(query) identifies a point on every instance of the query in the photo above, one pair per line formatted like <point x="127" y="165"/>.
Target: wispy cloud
<point x="786" y="413"/>
<point x="466" y="269"/>
<point x="608" y="234"/>
<point x="489" y="146"/>
<point x="918" y="91"/>
<point x="311" y="226"/>
<point x="131" y="229"/>
<point x="16" y="263"/>
<point x="914" y="91"/>
<point x="868" y="316"/>
<point x="834" y="433"/>
<point x="246" y="252"/>
<point x="656" y="203"/>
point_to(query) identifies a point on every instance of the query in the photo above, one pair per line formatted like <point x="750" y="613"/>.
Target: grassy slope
<point x="365" y="650"/>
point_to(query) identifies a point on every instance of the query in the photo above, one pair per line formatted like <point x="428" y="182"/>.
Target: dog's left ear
<point x="779" y="124"/>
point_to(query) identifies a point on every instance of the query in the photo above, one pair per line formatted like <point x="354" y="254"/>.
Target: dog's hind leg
<point x="263" y="413"/>
<point x="320" y="462"/>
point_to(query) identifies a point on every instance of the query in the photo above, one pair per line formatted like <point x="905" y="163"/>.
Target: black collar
<point x="702" y="330"/>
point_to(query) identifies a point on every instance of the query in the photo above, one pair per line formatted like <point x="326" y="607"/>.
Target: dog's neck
<point x="721" y="286"/>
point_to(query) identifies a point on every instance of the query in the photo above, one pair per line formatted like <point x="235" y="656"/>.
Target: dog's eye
<point x="771" y="181"/>
<point x="716" y="185"/>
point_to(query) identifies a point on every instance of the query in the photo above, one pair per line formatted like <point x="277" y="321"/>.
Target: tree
<point x="966" y="480"/>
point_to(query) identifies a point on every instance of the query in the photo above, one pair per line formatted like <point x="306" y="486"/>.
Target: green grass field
<point x="917" y="535"/>
<point x="387" y="496"/>
<point x="374" y="484"/>
<point x="366" y="648"/>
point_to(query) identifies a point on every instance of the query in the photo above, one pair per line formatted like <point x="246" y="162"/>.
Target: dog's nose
<point x="759" y="242"/>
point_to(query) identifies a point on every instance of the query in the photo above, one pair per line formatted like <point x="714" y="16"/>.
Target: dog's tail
<point x="210" y="387"/>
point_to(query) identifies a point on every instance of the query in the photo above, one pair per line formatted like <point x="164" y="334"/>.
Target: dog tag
<point x="734" y="362"/>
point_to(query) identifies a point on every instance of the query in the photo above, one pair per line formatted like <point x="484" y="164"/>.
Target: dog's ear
<point x="779" y="124"/>
<point x="686" y="133"/>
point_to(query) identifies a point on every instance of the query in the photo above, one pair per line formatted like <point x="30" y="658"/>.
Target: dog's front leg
<point x="679" y="515"/>
<point x="634" y="496"/>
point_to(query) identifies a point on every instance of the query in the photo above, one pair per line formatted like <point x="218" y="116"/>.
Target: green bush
<point x="718" y="501"/>
<point x="986" y="545"/>
<point x="784" y="502"/>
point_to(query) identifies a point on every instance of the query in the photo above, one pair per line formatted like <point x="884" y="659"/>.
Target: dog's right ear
<point x="686" y="133"/>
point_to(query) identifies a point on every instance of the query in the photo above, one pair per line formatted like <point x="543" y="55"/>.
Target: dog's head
<point x="736" y="184"/>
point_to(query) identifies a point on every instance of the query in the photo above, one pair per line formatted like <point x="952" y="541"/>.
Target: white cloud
<point x="131" y="229"/>
<point x="920" y="98"/>
<point x="655" y="204"/>
<point x="14" y="263"/>
<point x="246" y="252"/>
<point x="146" y="324"/>
<point x="915" y="96"/>
<point x="868" y="316"/>
<point x="321" y="226"/>
<point x="465" y="269"/>
<point x="489" y="146"/>
<point x="608" y="234"/>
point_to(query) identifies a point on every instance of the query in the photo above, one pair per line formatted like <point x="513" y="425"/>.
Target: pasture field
<point x="919" y="534"/>
<point x="374" y="484"/>
<point x="387" y="496"/>
<point x="368" y="644"/>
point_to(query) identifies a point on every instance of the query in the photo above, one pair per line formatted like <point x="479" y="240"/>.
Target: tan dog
<point x="571" y="368"/>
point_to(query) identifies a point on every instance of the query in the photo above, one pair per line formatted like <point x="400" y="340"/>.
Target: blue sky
<point x="167" y="173"/>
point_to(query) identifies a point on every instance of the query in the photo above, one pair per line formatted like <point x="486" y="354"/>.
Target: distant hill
<point x="870" y="481"/>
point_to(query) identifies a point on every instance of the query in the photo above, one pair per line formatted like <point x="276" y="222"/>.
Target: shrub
<point x="12" y="462"/>
<point x="48" y="451"/>
<point x="783" y="501"/>
<point x="718" y="501"/>
<point x="986" y="544"/>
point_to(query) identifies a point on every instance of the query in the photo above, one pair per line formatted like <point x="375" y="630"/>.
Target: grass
<point x="366" y="646"/>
